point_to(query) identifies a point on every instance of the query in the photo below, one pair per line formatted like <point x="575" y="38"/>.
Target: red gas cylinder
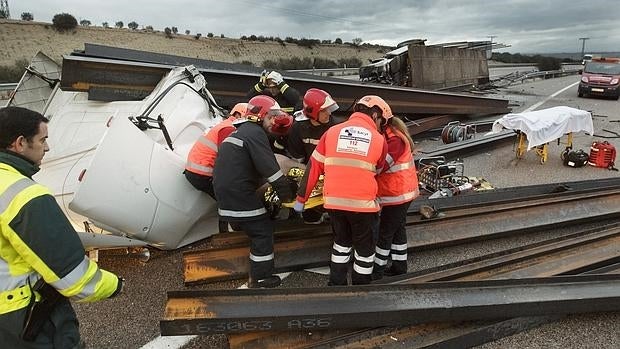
<point x="602" y="154"/>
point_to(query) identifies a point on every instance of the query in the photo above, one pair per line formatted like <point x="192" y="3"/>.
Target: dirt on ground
<point x="22" y="40"/>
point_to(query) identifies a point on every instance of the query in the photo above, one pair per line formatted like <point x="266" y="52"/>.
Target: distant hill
<point x="577" y="55"/>
<point x="22" y="40"/>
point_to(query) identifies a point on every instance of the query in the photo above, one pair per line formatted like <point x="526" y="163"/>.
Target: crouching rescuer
<point x="243" y="161"/>
<point x="42" y="260"/>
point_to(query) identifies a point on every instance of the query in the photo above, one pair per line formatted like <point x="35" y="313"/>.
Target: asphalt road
<point x="132" y="319"/>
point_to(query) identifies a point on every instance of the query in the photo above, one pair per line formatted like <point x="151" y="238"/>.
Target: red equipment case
<point x="602" y="154"/>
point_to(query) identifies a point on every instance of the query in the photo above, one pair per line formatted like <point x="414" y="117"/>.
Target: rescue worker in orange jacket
<point x="314" y="120"/>
<point x="350" y="155"/>
<point x="398" y="186"/>
<point x="42" y="260"/>
<point x="243" y="162"/>
<point x="201" y="158"/>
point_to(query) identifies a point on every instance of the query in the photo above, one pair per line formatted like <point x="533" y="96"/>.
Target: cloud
<point x="528" y="26"/>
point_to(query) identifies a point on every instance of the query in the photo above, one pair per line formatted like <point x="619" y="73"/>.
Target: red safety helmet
<point x="316" y="100"/>
<point x="261" y="106"/>
<point x="282" y="123"/>
<point x="239" y="108"/>
<point x="376" y="101"/>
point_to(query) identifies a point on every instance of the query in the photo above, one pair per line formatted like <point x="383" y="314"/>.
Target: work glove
<point x="298" y="207"/>
<point x="276" y="78"/>
<point x="262" y="81"/>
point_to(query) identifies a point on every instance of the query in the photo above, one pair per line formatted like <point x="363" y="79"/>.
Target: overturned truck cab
<point x="118" y="166"/>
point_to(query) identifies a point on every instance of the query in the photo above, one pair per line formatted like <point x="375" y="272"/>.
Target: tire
<point x="579" y="94"/>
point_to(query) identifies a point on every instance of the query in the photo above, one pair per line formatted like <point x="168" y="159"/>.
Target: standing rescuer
<point x="201" y="158"/>
<point x="350" y="155"/>
<point x="272" y="84"/>
<point x="398" y="186"/>
<point x="313" y="121"/>
<point x="42" y="260"/>
<point x="243" y="160"/>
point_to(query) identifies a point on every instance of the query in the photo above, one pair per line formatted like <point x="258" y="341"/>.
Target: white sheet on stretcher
<point x="545" y="125"/>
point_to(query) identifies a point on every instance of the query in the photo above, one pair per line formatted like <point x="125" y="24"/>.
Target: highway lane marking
<point x="175" y="342"/>
<point x="533" y="107"/>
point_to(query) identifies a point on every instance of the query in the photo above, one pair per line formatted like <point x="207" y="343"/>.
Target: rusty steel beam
<point x="106" y="78"/>
<point x="552" y="251"/>
<point x="472" y="224"/>
<point x="515" y="194"/>
<point x="232" y="263"/>
<point x="499" y="196"/>
<point x="234" y="311"/>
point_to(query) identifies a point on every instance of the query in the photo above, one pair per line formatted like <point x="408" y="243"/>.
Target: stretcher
<point x="538" y="128"/>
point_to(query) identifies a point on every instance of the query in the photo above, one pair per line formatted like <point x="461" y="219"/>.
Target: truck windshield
<point x="602" y="68"/>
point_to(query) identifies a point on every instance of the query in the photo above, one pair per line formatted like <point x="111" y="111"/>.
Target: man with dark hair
<point x="43" y="262"/>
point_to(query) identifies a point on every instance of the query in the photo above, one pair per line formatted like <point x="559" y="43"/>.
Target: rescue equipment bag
<point x="602" y="154"/>
<point x="576" y="158"/>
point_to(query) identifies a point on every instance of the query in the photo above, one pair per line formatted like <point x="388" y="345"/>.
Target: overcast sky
<point x="528" y="26"/>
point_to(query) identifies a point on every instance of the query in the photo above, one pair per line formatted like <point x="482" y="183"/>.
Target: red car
<point x="601" y="77"/>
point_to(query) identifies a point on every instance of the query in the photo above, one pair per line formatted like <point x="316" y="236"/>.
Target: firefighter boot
<point x="377" y="272"/>
<point x="397" y="268"/>
<point x="268" y="282"/>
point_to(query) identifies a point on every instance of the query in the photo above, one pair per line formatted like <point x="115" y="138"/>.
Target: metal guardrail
<point x="328" y="72"/>
<point x="548" y="74"/>
<point x="8" y="86"/>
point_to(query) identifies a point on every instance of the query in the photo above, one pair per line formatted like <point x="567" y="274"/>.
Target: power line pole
<point x="583" y="45"/>
<point x="491" y="45"/>
<point x="4" y="9"/>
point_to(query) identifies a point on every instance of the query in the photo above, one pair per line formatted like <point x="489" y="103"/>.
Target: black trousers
<point x="205" y="184"/>
<point x="260" y="233"/>
<point x="61" y="330"/>
<point x="354" y="240"/>
<point x="201" y="182"/>
<point x="392" y="240"/>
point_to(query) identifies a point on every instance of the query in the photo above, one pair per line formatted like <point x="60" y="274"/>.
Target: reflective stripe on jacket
<point x="37" y="241"/>
<point x="201" y="157"/>
<point x="350" y="154"/>
<point x="399" y="183"/>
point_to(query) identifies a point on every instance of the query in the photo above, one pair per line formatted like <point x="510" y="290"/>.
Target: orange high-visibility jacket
<point x="201" y="157"/>
<point x="399" y="183"/>
<point x="350" y="155"/>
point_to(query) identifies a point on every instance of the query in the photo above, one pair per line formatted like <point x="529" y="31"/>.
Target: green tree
<point x="85" y="23"/>
<point x="3" y="14"/>
<point x="64" y="21"/>
<point x="187" y="32"/>
<point x="11" y="74"/>
<point x="133" y="25"/>
<point x="105" y="25"/>
<point x="27" y="16"/>
<point x="119" y="24"/>
<point x="168" y="32"/>
<point x="210" y="35"/>
<point x="197" y="36"/>
<point x="175" y="30"/>
<point x="338" y="41"/>
<point x="357" y="41"/>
